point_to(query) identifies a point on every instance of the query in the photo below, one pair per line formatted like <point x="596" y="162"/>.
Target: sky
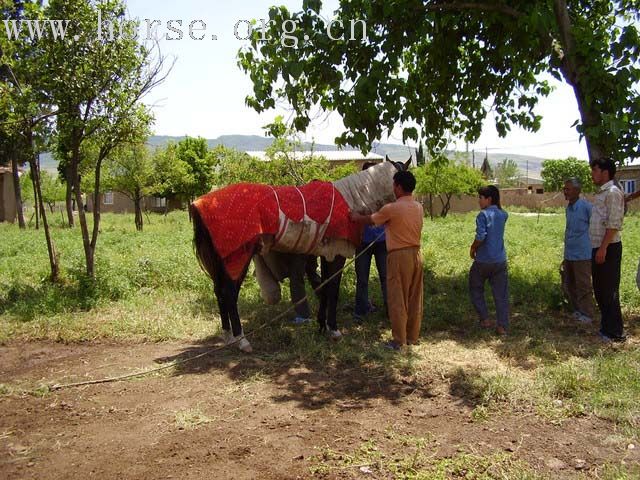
<point x="205" y="92"/>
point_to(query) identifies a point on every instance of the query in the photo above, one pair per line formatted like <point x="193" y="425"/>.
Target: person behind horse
<point x="274" y="267"/>
<point x="402" y="221"/>
<point x="373" y="245"/>
<point x="577" y="252"/>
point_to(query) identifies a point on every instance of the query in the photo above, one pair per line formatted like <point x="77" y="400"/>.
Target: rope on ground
<point x="216" y="349"/>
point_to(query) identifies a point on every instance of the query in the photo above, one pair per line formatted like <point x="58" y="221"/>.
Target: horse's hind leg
<point x="222" y="307"/>
<point x="230" y="293"/>
<point x="327" y="314"/>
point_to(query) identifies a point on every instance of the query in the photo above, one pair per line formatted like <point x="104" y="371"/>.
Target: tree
<point x="442" y="65"/>
<point x="131" y="172"/>
<point x="169" y="172"/>
<point x="507" y="173"/>
<point x="97" y="82"/>
<point x="24" y="105"/>
<point x="446" y="179"/>
<point x="233" y="166"/>
<point x="555" y="172"/>
<point x="486" y="170"/>
<point x="421" y="159"/>
<point x="198" y="165"/>
<point x="53" y="191"/>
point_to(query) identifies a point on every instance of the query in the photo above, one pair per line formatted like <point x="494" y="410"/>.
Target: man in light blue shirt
<point x="577" y="252"/>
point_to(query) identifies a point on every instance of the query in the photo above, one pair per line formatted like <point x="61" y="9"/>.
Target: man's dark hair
<point x="405" y="180"/>
<point x="605" y="163"/>
<point x="492" y="192"/>
<point x="366" y="165"/>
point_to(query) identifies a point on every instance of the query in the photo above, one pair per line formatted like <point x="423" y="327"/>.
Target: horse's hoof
<point x="227" y="337"/>
<point x="335" y="335"/>
<point x="245" y="346"/>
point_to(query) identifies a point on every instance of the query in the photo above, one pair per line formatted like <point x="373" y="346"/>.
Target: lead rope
<point x="216" y="349"/>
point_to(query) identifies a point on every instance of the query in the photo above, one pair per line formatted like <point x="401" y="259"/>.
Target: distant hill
<point x="395" y="152"/>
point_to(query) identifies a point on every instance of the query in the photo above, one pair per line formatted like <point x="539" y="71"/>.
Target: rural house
<point x="629" y="176"/>
<point x="8" y="210"/>
<point x="116" y="202"/>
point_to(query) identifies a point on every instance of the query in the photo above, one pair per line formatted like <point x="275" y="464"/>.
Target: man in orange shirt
<point x="402" y="220"/>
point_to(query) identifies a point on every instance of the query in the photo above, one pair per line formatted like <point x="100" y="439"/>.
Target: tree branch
<point x="483" y="7"/>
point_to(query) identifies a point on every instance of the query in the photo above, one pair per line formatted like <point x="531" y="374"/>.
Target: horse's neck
<point x="367" y="191"/>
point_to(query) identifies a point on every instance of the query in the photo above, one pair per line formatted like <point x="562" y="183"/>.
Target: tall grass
<point x="149" y="287"/>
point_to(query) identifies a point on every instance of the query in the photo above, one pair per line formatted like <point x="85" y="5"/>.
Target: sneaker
<point x="501" y="331"/>
<point x="608" y="339"/>
<point x="300" y="320"/>
<point x="335" y="335"/>
<point x="604" y="338"/>
<point x="582" y="318"/>
<point x="486" y="324"/>
<point x="392" y="345"/>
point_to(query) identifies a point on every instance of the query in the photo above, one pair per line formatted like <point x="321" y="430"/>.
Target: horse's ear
<point x="407" y="164"/>
<point x="386" y="158"/>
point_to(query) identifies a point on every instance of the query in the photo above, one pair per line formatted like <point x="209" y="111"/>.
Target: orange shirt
<point x="402" y="221"/>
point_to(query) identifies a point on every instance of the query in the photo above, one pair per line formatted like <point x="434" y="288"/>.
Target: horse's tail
<point x="208" y="258"/>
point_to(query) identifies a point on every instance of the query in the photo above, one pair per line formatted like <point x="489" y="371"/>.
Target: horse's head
<point x="400" y="166"/>
<point x="367" y="191"/>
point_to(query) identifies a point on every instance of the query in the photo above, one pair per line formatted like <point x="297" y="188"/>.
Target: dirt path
<point x="228" y="416"/>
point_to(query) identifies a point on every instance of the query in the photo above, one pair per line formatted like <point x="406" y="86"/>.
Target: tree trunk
<point x="35" y="200"/>
<point x="431" y="206"/>
<point x="137" y="199"/>
<point x="69" y="197"/>
<point x="446" y="206"/>
<point x="572" y="67"/>
<point x="18" y="193"/>
<point x="35" y="171"/>
<point x="84" y="229"/>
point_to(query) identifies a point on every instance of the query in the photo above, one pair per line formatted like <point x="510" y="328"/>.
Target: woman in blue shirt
<point x="490" y="260"/>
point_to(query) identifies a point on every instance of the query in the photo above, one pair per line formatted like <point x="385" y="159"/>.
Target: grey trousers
<point x="577" y="277"/>
<point x="497" y="275"/>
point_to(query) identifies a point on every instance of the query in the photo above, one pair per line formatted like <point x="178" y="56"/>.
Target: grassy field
<point x="150" y="289"/>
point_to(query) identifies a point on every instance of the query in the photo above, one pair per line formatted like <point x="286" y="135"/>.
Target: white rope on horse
<point x="307" y="232"/>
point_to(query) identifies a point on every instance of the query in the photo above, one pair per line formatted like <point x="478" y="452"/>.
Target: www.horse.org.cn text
<point x="176" y="30"/>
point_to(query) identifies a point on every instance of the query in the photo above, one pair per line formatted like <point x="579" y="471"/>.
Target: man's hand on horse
<point x="359" y="218"/>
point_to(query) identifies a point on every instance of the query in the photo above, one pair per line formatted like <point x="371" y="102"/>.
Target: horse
<point x="234" y="223"/>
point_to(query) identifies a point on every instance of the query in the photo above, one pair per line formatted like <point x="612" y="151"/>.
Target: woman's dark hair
<point x="492" y="192"/>
<point x="406" y="180"/>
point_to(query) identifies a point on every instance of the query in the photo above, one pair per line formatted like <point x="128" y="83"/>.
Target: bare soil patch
<point x="233" y="416"/>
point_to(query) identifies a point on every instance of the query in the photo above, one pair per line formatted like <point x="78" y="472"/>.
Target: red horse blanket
<point x="237" y="215"/>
